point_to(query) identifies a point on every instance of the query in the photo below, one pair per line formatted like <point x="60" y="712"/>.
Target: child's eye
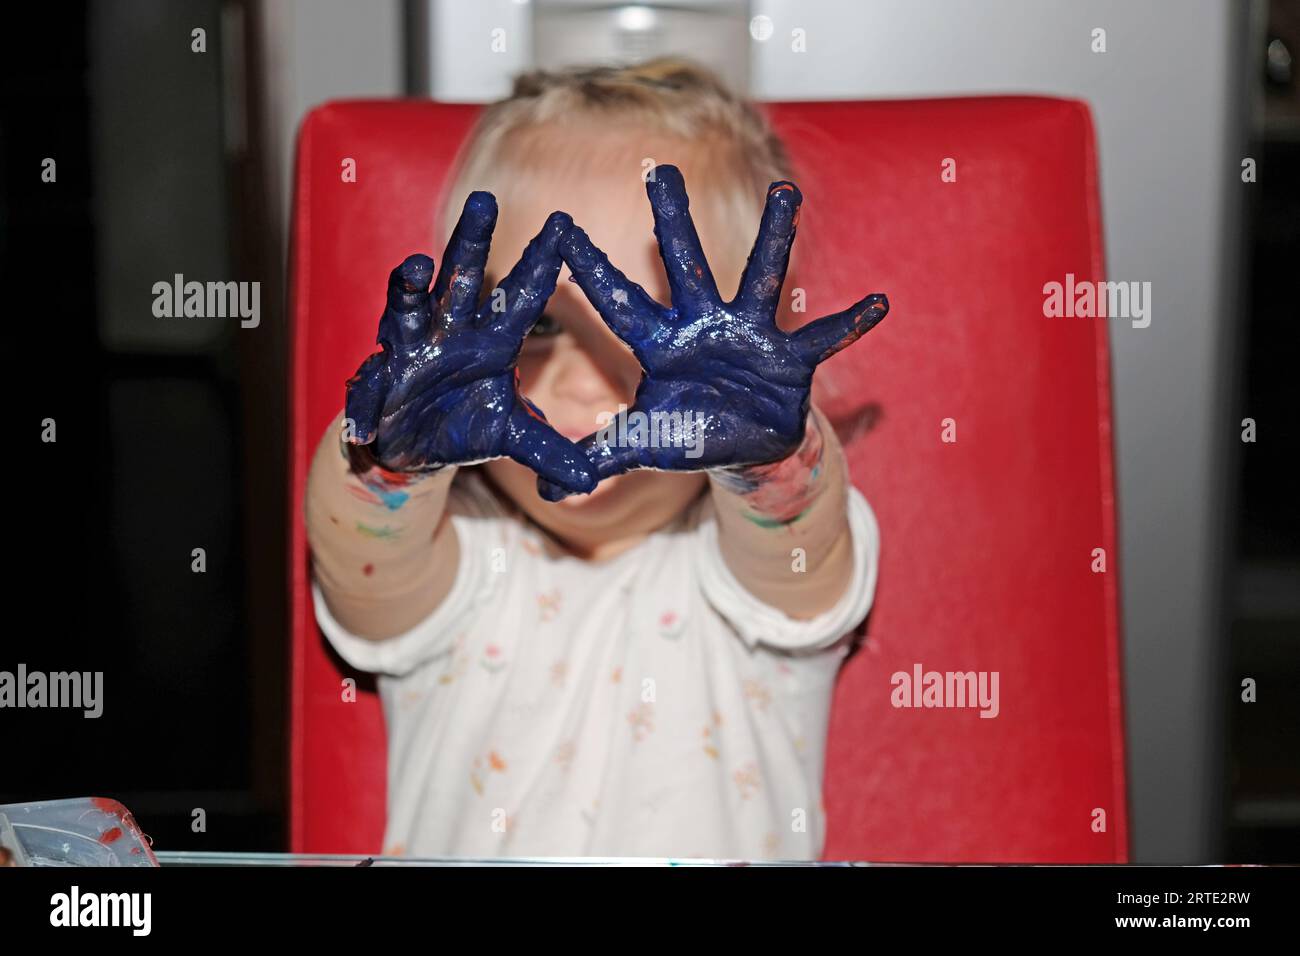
<point x="546" y="327"/>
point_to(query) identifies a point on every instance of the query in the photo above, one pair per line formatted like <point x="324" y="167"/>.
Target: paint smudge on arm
<point x="780" y="493"/>
<point x="374" y="484"/>
<point x="385" y="533"/>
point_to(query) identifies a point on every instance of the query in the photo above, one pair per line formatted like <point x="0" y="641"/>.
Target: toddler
<point x="593" y="536"/>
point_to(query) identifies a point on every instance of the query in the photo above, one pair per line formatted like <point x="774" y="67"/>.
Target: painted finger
<point x="819" y="340"/>
<point x="612" y="452"/>
<point x="760" y="286"/>
<point x="461" y="277"/>
<point x="408" y="314"/>
<point x="519" y="300"/>
<point x="627" y="308"/>
<point x="531" y="441"/>
<point x="365" y="398"/>
<point x="689" y="278"/>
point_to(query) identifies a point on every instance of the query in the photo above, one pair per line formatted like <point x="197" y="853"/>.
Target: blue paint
<point x="442" y="391"/>
<point x="393" y="499"/>
<point x="726" y="365"/>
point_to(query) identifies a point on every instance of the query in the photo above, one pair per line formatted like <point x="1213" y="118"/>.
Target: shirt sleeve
<point x="477" y="523"/>
<point x="759" y="623"/>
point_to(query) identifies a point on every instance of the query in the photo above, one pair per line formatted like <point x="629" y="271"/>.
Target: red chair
<point x="988" y="541"/>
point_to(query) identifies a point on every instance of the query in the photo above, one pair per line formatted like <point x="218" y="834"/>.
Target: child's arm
<point x="442" y="392"/>
<point x="383" y="553"/>
<point x="782" y="528"/>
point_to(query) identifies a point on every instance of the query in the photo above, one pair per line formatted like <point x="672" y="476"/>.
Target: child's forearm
<point x="382" y="551"/>
<point x="766" y="512"/>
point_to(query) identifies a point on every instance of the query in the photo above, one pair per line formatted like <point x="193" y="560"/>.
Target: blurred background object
<point x="173" y="160"/>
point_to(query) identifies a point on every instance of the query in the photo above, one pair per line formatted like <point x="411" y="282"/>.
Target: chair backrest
<point x="961" y="210"/>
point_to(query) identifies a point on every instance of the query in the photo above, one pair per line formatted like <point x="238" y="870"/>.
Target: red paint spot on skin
<point x="399" y="478"/>
<point x="135" y="851"/>
<point x="107" y="805"/>
<point x="110" y="835"/>
<point x="361" y="493"/>
<point x="699" y="273"/>
<point x="368" y="570"/>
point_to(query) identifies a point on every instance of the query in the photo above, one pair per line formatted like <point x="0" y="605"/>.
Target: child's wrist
<point x="781" y="492"/>
<point x="388" y="485"/>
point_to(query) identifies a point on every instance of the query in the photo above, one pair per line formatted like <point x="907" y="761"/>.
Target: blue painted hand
<point x="723" y="386"/>
<point x="444" y="388"/>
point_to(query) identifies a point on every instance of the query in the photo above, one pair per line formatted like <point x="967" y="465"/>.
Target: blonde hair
<point x="665" y="96"/>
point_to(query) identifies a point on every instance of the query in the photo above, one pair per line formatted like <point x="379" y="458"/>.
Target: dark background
<point x="162" y="447"/>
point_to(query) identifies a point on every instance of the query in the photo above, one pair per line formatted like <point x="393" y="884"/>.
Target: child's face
<point x="572" y="366"/>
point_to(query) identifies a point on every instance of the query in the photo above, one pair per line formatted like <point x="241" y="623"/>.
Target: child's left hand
<point x="740" y="386"/>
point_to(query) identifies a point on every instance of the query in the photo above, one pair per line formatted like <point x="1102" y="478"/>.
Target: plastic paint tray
<point x="84" y="831"/>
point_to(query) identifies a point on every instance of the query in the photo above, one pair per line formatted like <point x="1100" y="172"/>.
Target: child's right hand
<point x="443" y="391"/>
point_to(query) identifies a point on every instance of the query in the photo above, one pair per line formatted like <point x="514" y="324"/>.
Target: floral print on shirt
<point x="642" y="720"/>
<point x="548" y="604"/>
<point x="748" y="780"/>
<point x="457" y="661"/>
<point x="491" y="762"/>
<point x="758" y="692"/>
<point x="671" y="625"/>
<point x="564" y="755"/>
<point x="493" y="659"/>
<point x="711" y="734"/>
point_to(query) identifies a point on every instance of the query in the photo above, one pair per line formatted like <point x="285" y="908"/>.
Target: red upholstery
<point x="987" y="542"/>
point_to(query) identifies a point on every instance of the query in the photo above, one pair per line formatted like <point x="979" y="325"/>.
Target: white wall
<point x="319" y="50"/>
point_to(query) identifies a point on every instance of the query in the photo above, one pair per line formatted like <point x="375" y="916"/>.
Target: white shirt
<point x="647" y="705"/>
